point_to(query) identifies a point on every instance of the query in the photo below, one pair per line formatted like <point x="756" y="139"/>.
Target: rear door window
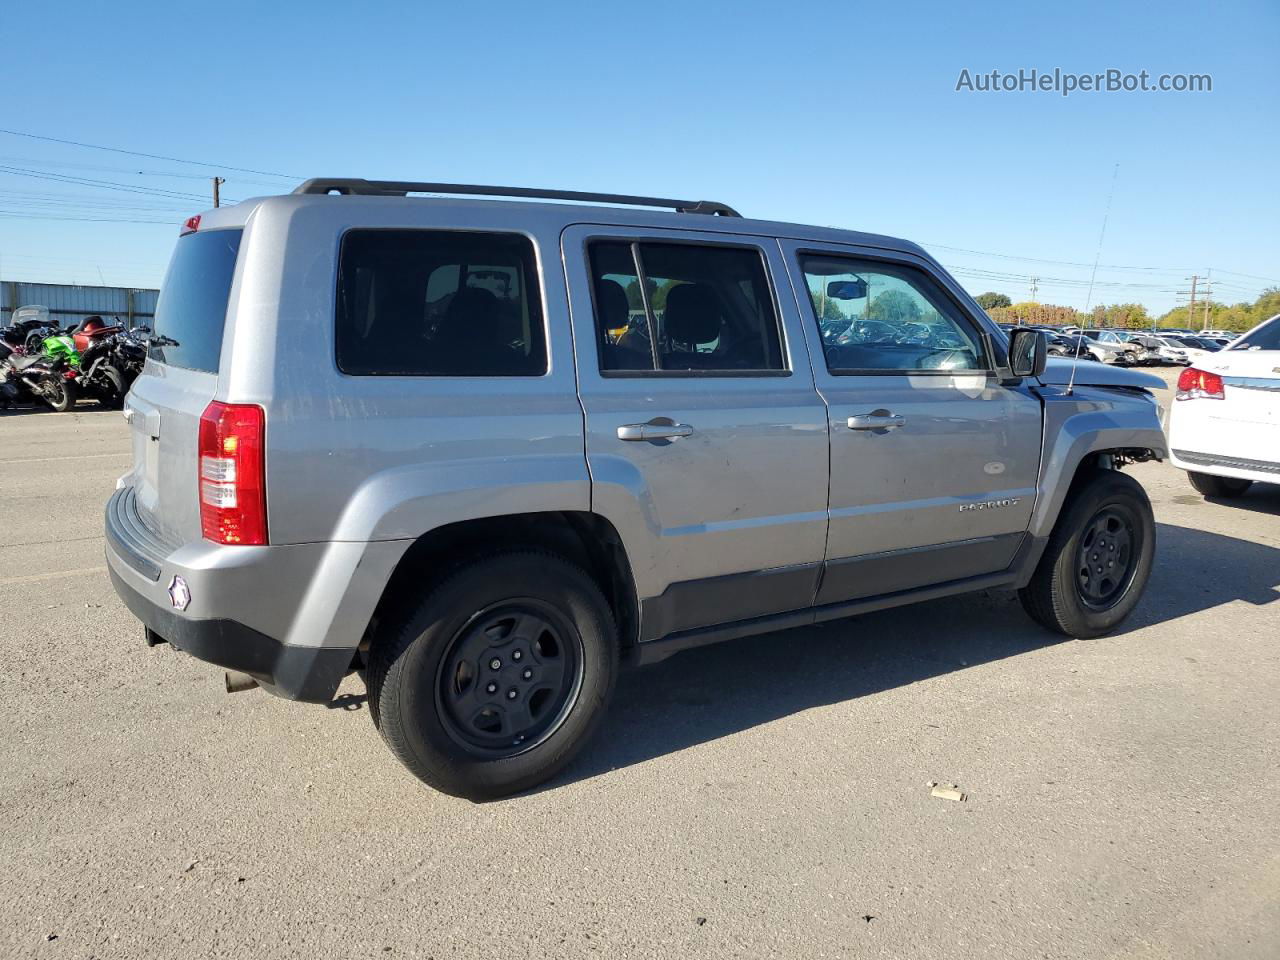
<point x="439" y="303"/>
<point x="699" y="309"/>
<point x="192" y="310"/>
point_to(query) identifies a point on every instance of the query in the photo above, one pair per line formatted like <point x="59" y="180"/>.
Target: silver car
<point x="486" y="452"/>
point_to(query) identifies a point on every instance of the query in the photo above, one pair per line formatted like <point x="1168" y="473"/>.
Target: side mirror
<point x="1028" y="353"/>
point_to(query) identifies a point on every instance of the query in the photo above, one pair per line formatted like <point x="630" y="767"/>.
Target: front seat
<point x="692" y="318"/>
<point x="628" y="351"/>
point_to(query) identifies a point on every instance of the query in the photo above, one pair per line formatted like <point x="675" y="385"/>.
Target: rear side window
<point x="439" y="303"/>
<point x="192" y="309"/>
<point x="683" y="309"/>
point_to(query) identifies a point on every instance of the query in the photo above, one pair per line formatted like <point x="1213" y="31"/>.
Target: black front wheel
<point x="497" y="679"/>
<point x="1098" y="558"/>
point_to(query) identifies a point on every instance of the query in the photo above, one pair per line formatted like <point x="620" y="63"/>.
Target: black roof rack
<point x="399" y="188"/>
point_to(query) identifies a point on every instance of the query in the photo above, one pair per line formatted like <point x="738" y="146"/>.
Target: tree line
<point x="1134" y="316"/>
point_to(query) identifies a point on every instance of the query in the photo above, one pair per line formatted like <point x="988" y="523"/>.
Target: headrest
<point x="611" y="301"/>
<point x="692" y="315"/>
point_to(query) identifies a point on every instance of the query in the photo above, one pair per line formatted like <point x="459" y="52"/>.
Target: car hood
<point x="1058" y="373"/>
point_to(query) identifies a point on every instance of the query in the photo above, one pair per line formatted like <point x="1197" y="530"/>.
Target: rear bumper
<point x="1240" y="468"/>
<point x="291" y="616"/>
<point x="296" y="673"/>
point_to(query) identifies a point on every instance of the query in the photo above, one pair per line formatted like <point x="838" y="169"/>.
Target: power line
<point x="149" y="156"/>
<point x="98" y="184"/>
<point x="32" y="216"/>
<point x="1061" y="263"/>
<point x="105" y="168"/>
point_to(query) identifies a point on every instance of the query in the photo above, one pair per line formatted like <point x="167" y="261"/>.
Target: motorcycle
<point x="100" y="375"/>
<point x="28" y="328"/>
<point x="49" y="376"/>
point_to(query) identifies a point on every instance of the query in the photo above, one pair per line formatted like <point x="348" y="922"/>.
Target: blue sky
<point x="839" y="114"/>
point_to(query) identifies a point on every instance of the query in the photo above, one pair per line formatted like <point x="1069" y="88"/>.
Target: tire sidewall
<point x="1103" y="491"/>
<point x="408" y="701"/>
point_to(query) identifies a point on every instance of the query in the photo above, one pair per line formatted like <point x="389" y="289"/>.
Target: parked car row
<point x="1130" y="347"/>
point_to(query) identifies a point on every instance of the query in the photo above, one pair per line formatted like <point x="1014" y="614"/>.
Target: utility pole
<point x="1035" y="286"/>
<point x="1208" y="295"/>
<point x="217" y="182"/>
<point x="1191" y="306"/>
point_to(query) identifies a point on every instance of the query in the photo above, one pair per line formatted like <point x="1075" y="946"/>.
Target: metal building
<point x="68" y="304"/>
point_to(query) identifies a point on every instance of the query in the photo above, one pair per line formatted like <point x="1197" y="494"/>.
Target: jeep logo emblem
<point x="989" y="504"/>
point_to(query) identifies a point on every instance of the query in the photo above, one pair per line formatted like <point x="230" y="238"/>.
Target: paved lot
<point x="766" y="798"/>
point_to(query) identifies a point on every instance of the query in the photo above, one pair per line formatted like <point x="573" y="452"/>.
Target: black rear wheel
<point x="495" y="681"/>
<point x="1098" y="558"/>
<point x="1220" y="487"/>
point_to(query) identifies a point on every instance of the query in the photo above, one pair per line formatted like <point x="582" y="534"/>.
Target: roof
<point x="710" y="218"/>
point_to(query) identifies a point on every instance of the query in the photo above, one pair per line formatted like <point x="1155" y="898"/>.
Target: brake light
<point x="191" y="225"/>
<point x="1196" y="384"/>
<point x="233" y="489"/>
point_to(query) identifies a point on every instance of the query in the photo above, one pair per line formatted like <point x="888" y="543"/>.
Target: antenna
<point x="1075" y="359"/>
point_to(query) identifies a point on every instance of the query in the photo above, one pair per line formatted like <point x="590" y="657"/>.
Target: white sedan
<point x="1224" y="424"/>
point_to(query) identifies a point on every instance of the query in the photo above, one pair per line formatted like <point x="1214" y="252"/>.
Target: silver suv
<point x="484" y="452"/>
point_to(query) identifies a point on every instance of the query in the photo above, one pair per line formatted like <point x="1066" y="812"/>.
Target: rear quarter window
<point x="192" y="310"/>
<point x="441" y="303"/>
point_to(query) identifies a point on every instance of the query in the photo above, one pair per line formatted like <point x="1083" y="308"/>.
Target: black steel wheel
<point x="1097" y="561"/>
<point x="509" y="677"/>
<point x="1107" y="556"/>
<point x="496" y="678"/>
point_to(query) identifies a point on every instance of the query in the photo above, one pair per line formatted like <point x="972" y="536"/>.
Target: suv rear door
<point x="180" y="378"/>
<point x="705" y="438"/>
<point x="934" y="463"/>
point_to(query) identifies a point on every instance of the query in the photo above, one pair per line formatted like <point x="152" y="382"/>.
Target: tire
<point x="62" y="394"/>
<point x="1125" y="358"/>
<point x="111" y="397"/>
<point x="1058" y="597"/>
<point x="1223" y="488"/>
<point x="430" y="673"/>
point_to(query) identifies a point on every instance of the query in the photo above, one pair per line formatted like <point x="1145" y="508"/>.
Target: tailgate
<point x="164" y="415"/>
<point x="179" y="380"/>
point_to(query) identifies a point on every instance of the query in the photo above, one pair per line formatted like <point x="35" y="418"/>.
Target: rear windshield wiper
<point x="160" y="340"/>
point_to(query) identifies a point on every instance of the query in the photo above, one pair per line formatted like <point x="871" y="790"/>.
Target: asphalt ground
<point x="764" y="798"/>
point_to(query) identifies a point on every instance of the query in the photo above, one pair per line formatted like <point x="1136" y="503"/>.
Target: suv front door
<point x="934" y="463"/>
<point x="705" y="437"/>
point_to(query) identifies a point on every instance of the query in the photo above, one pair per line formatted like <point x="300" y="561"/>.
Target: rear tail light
<point x="1196" y="384"/>
<point x="233" y="489"/>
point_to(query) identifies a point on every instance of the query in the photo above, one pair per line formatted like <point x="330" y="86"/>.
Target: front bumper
<point x="291" y="616"/>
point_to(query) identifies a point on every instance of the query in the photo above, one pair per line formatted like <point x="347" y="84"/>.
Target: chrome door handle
<point x="659" y="428"/>
<point x="876" y="420"/>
